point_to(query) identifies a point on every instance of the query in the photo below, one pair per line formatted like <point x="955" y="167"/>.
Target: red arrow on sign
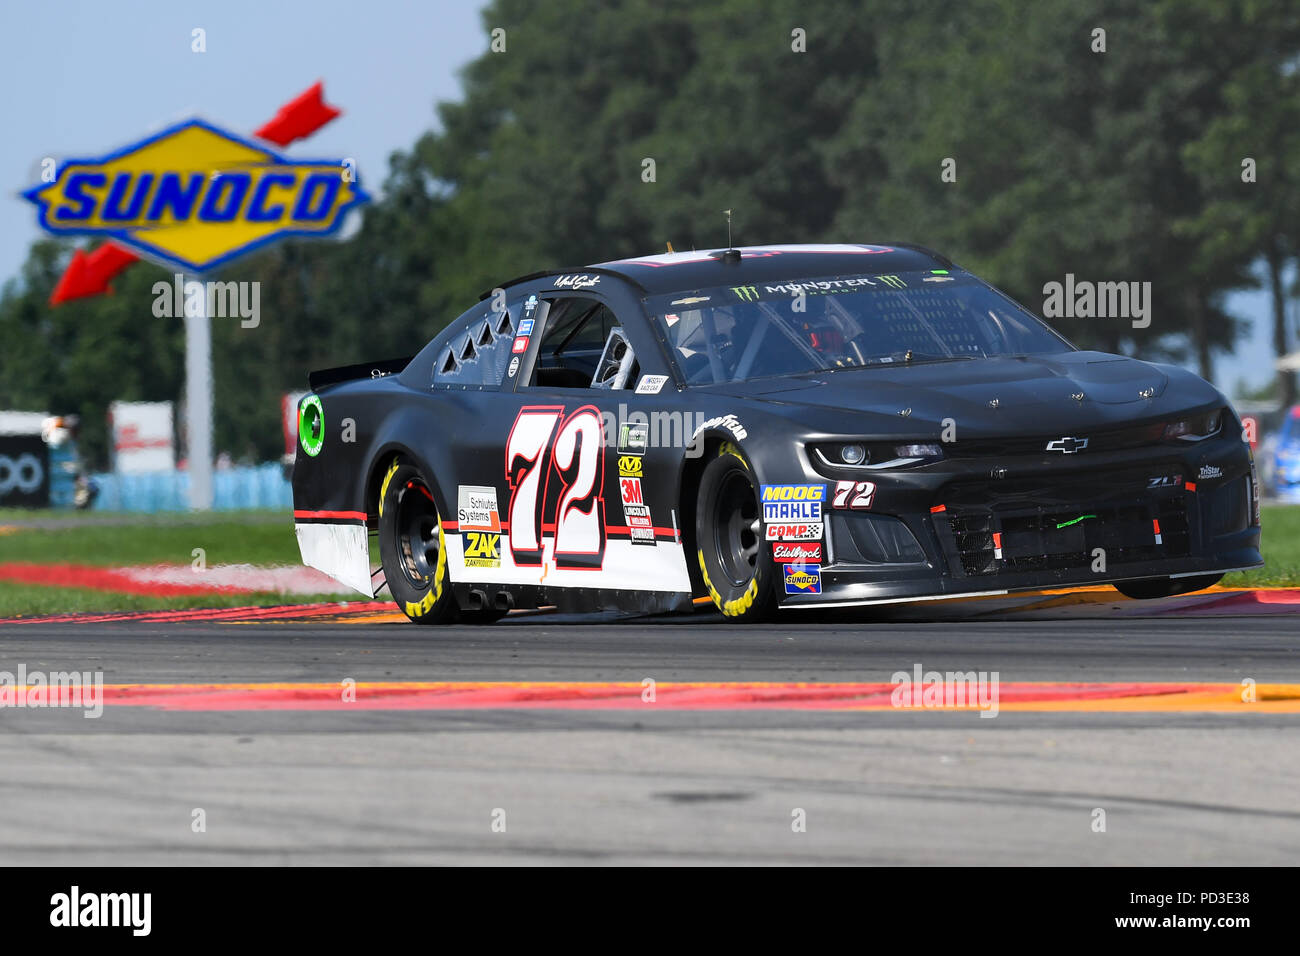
<point x="300" y="117"/>
<point x="89" y="274"/>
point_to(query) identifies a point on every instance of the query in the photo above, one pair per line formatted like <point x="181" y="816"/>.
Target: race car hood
<point x="1030" y="393"/>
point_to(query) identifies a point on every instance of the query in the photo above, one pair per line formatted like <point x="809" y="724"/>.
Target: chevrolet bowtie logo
<point x="1067" y="446"/>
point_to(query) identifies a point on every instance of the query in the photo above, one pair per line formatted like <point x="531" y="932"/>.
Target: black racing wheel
<point x="413" y="549"/>
<point x="738" y="570"/>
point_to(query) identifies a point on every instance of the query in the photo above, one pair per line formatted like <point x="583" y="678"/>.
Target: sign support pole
<point x="198" y="406"/>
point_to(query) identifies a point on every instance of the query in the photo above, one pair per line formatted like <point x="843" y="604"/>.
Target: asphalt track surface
<point x="640" y="785"/>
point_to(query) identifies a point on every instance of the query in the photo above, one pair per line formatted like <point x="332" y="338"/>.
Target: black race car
<point x="793" y="426"/>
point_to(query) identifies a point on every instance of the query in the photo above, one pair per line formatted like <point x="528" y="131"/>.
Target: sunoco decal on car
<point x="805" y="579"/>
<point x="785" y="503"/>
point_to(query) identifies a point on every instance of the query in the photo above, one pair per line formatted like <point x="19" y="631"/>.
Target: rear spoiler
<point x="348" y="373"/>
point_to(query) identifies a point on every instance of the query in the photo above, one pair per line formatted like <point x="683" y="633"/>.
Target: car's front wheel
<point x="738" y="571"/>
<point x="1147" y="589"/>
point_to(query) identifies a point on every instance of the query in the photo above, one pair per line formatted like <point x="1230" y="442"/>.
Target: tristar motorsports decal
<point x="196" y="196"/>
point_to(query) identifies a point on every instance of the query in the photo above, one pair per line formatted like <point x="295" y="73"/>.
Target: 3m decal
<point x="641" y="527"/>
<point x="482" y="549"/>
<point x="575" y="460"/>
<point x="797" y="553"/>
<point x="476" y="507"/>
<point x="311" y="425"/>
<point x="793" y="532"/>
<point x="786" y="503"/>
<point x="854" y="494"/>
<point x="806" y="579"/>
<point x="650" y="384"/>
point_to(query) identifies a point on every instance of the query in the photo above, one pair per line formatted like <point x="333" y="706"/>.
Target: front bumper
<point x="968" y="527"/>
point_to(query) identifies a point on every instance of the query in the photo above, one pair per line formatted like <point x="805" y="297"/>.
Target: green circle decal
<point x="311" y="425"/>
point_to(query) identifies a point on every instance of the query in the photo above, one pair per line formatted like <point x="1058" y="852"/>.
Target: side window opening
<point x="579" y="332"/>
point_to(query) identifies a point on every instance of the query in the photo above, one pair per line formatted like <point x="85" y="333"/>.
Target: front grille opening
<point x="991" y="540"/>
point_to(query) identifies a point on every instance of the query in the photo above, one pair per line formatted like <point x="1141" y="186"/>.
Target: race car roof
<point x="707" y="268"/>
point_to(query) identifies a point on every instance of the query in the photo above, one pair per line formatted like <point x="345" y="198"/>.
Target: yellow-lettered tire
<point x="413" y="548"/>
<point x="737" y="567"/>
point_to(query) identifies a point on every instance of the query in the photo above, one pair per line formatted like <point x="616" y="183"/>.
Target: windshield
<point x="736" y="333"/>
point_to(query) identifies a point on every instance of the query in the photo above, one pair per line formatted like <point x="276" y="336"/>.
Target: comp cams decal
<point x="793" y="532"/>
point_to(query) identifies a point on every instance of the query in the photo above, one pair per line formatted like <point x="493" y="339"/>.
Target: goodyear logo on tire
<point x="196" y="197"/>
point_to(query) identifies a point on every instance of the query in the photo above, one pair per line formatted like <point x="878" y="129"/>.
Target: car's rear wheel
<point x="412" y="546"/>
<point x="738" y="571"/>
<point x="1150" y="588"/>
<point x="413" y="549"/>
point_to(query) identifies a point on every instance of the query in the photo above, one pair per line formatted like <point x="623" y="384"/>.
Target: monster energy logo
<point x="894" y="282"/>
<point x="746" y="293"/>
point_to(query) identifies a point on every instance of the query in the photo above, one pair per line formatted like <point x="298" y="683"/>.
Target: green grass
<point x="1280" y="545"/>
<point x="28" y="600"/>
<point x="223" y="540"/>
<point x="108" y="540"/>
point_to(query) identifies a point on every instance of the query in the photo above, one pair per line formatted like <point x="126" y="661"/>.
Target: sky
<point x="83" y="78"/>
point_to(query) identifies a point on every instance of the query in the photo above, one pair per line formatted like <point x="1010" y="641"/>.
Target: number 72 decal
<point x="544" y="444"/>
<point x="853" y="494"/>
